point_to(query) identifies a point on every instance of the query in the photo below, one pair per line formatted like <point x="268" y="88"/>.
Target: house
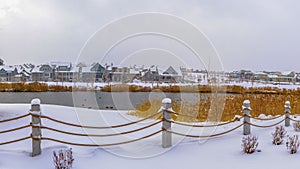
<point x="246" y="75"/>
<point x="241" y="75"/>
<point x="25" y="75"/>
<point x="53" y="71"/>
<point x="106" y="77"/>
<point x="37" y="74"/>
<point x="92" y="73"/>
<point x="150" y="74"/>
<point x="194" y="76"/>
<point x="47" y="72"/>
<point x="43" y="72"/>
<point x="234" y="75"/>
<point x="261" y="76"/>
<point x="170" y="76"/>
<point x="3" y="74"/>
<point x="19" y="76"/>
<point x="279" y="77"/>
<point x="134" y="73"/>
<point x="63" y="71"/>
<point x="7" y="73"/>
<point x="297" y="77"/>
<point x="119" y="74"/>
<point x="98" y="70"/>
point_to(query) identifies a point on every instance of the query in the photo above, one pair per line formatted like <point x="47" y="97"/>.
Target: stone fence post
<point x="287" y="107"/>
<point x="246" y="112"/>
<point x="166" y="126"/>
<point x="36" y="124"/>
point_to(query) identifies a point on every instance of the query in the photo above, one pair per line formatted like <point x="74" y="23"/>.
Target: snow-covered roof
<point x="36" y="69"/>
<point x="8" y="68"/>
<point x="86" y="69"/>
<point x="134" y="71"/>
<point x="273" y="76"/>
<point x="26" y="74"/>
<point x="19" y="68"/>
<point x="172" y="70"/>
<point x="73" y="69"/>
<point x="81" y="65"/>
<point x="285" y="73"/>
<point x="57" y="64"/>
<point x="260" y="73"/>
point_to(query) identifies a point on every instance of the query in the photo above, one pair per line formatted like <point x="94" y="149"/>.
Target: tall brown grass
<point x="232" y="89"/>
<point x="32" y="87"/>
<point x="218" y="110"/>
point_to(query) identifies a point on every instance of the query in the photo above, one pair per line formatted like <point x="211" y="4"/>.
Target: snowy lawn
<point x="219" y="153"/>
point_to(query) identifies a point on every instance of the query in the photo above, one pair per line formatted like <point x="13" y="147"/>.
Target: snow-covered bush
<point x="292" y="144"/>
<point x="63" y="159"/>
<point x="296" y="126"/>
<point x="249" y="144"/>
<point x="278" y="135"/>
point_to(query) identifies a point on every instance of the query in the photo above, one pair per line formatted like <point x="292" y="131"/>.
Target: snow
<point x="215" y="153"/>
<point x="35" y="101"/>
<point x="57" y="64"/>
<point x="281" y="85"/>
<point x="287" y="104"/>
<point x="246" y="104"/>
<point x="166" y="101"/>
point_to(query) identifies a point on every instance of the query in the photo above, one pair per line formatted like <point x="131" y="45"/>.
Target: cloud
<point x="250" y="34"/>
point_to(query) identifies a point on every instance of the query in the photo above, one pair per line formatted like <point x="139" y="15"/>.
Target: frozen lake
<point x="95" y="99"/>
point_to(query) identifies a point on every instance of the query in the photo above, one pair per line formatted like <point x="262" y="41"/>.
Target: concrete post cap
<point x="35" y="101"/>
<point x="246" y="104"/>
<point x="287" y="104"/>
<point x="166" y="101"/>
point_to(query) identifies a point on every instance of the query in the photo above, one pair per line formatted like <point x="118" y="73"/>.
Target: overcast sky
<point x="248" y="34"/>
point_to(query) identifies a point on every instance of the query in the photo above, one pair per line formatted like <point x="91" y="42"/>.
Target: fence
<point x="166" y="130"/>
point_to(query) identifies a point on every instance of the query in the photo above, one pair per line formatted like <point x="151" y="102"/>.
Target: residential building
<point x="92" y="73"/>
<point x="170" y="76"/>
<point x="150" y="74"/>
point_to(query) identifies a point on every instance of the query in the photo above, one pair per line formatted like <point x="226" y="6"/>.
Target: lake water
<point x="95" y="100"/>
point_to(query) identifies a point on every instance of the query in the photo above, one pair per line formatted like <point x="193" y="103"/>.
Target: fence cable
<point x="194" y="125"/>
<point x="207" y="136"/>
<point x="267" y="126"/>
<point x="293" y="119"/>
<point x="14" y="141"/>
<point x="96" y="127"/>
<point x="97" y="135"/>
<point x="15" y="118"/>
<point x="178" y="114"/>
<point x="15" y="129"/>
<point x="97" y="145"/>
<point x="267" y="119"/>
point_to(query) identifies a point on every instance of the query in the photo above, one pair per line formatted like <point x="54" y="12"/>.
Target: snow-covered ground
<point x="98" y="85"/>
<point x="244" y="84"/>
<point x="256" y="84"/>
<point x="220" y="152"/>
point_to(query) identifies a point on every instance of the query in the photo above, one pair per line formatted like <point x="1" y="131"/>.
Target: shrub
<point x="296" y="126"/>
<point x="292" y="144"/>
<point x="63" y="159"/>
<point x="278" y="135"/>
<point x="249" y="144"/>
